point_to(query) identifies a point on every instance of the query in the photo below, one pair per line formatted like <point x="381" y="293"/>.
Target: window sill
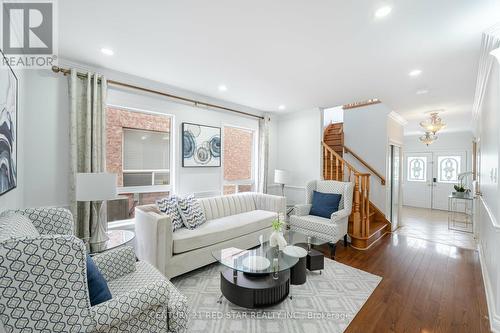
<point x="144" y="189"/>
<point x="122" y="224"/>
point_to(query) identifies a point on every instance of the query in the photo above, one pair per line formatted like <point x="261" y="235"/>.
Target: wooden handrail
<point x="349" y="165"/>
<point x="336" y="168"/>
<point x="368" y="166"/>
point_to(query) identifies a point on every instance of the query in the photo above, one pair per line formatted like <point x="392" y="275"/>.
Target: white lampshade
<point x="281" y="176"/>
<point x="95" y="186"/>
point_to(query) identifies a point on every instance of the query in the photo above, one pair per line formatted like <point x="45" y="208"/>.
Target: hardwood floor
<point x="426" y="287"/>
<point x="432" y="225"/>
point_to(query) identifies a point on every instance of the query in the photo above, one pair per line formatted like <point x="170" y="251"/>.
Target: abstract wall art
<point x="201" y="145"/>
<point x="8" y="127"/>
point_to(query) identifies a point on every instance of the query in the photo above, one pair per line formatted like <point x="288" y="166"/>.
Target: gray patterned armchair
<point x="43" y="283"/>
<point x="332" y="229"/>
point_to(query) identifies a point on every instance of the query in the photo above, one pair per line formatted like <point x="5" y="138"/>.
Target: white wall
<point x="43" y="134"/>
<point x="445" y="141"/>
<point x="298" y="150"/>
<point x="365" y="132"/>
<point x="487" y="206"/>
<point x="333" y="115"/>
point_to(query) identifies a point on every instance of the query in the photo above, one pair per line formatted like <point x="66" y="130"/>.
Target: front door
<point x="446" y="168"/>
<point x="417" y="190"/>
<point x="429" y="178"/>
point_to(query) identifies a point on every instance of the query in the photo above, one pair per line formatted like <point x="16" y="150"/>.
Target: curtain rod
<point x="67" y="71"/>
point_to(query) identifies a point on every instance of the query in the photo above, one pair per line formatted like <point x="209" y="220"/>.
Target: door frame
<point x="389" y="177"/>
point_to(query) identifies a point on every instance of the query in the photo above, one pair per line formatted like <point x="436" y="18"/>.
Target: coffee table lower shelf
<point x="254" y="290"/>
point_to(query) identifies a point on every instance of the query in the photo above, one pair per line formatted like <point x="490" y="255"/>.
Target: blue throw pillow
<point x="324" y="204"/>
<point x="98" y="287"/>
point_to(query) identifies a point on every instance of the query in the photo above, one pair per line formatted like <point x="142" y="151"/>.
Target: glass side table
<point x="116" y="239"/>
<point x="461" y="213"/>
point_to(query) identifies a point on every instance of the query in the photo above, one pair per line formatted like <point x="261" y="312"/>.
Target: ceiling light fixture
<point x="422" y="92"/>
<point x="415" y="72"/>
<point x="434" y="124"/>
<point x="383" y="11"/>
<point x="428" y="138"/>
<point x="281" y="107"/>
<point x="106" y="51"/>
<point x="222" y="87"/>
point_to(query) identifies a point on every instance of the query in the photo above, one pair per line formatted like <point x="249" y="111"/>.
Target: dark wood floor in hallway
<point x="426" y="287"/>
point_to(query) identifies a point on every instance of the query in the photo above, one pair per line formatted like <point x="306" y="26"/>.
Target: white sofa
<point x="234" y="220"/>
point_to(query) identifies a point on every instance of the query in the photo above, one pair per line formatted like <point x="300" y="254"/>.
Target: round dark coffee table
<point x="255" y="278"/>
<point x="262" y="276"/>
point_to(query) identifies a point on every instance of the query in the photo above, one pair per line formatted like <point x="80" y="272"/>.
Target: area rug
<point x="325" y="303"/>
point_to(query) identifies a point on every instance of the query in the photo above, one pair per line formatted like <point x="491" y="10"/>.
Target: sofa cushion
<point x="16" y="225"/>
<point x="325" y="204"/>
<point x="226" y="205"/>
<point x="221" y="229"/>
<point x="191" y="212"/>
<point x="170" y="207"/>
<point x="317" y="224"/>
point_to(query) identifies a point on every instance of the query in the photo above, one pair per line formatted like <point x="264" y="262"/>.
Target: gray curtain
<point x="87" y="141"/>
<point x="263" y="153"/>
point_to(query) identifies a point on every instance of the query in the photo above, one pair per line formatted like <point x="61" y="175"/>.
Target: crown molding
<point x="494" y="30"/>
<point x="496" y="54"/>
<point x="398" y="118"/>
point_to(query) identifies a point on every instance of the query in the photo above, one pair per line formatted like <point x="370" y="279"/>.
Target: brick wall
<point x="238" y="145"/>
<point x="116" y="120"/>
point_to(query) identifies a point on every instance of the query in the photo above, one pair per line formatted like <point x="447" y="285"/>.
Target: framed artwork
<point x="8" y="127"/>
<point x="201" y="146"/>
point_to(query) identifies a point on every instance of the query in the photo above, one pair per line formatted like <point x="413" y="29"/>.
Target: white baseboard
<point x="490" y="297"/>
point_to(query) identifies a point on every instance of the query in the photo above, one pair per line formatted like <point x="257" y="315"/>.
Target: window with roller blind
<point x="139" y="152"/>
<point x="146" y="158"/>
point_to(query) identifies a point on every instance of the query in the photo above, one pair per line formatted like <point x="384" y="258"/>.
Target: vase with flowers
<point x="277" y="238"/>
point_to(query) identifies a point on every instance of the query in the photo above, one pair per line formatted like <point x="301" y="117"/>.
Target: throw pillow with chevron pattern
<point x="191" y="212"/>
<point x="169" y="207"/>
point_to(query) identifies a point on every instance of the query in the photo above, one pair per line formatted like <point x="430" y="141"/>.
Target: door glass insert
<point x="417" y="169"/>
<point x="448" y="169"/>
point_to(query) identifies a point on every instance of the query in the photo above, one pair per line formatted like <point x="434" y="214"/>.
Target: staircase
<point x="367" y="223"/>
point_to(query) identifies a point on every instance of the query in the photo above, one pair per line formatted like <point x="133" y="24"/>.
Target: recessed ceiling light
<point x="281" y="107"/>
<point x="144" y="137"/>
<point x="222" y="87"/>
<point x="415" y="72"/>
<point x="383" y="11"/>
<point x="106" y="51"/>
<point x="422" y="92"/>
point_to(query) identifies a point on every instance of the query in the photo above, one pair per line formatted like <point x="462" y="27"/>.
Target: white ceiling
<point x="302" y="54"/>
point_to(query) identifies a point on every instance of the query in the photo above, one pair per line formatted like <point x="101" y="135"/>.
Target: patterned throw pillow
<point x="13" y="225"/>
<point x="169" y="207"/>
<point x="191" y="212"/>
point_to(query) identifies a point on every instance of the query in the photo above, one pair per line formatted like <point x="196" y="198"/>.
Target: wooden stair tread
<point x="376" y="226"/>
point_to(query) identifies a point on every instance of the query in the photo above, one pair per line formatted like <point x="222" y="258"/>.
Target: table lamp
<point x="96" y="188"/>
<point x="281" y="177"/>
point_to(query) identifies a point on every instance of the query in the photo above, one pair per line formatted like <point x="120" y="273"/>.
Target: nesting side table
<point x="461" y="213"/>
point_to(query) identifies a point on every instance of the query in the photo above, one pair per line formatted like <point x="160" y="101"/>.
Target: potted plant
<point x="277" y="238"/>
<point x="460" y="190"/>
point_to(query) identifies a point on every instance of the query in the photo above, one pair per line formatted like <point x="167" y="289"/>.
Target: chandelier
<point x="428" y="138"/>
<point x="434" y="124"/>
